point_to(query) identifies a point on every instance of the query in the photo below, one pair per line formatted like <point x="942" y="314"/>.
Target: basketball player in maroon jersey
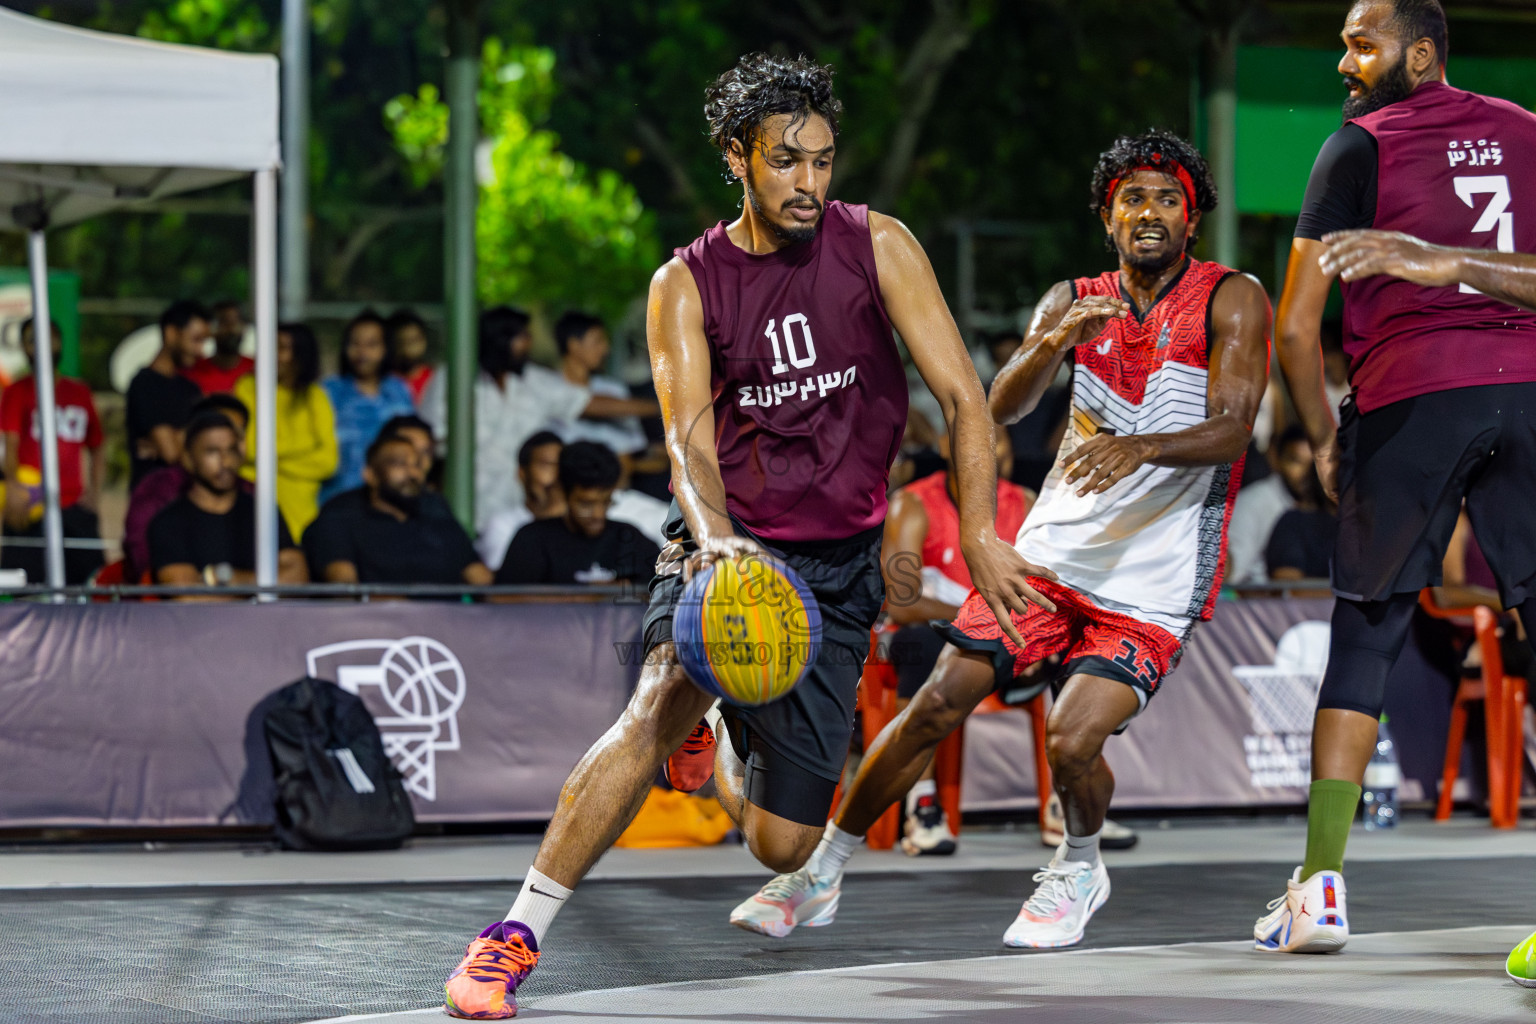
<point x="1170" y="358"/>
<point x="1419" y="204"/>
<point x="784" y="400"/>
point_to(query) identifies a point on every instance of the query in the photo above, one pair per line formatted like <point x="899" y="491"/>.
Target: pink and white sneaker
<point x="790" y="901"/>
<point x="1058" y="912"/>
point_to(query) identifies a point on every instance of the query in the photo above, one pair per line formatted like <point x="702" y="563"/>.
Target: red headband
<point x="1172" y="167"/>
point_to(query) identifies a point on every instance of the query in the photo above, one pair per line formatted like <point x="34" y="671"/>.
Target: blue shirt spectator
<point x="365" y="396"/>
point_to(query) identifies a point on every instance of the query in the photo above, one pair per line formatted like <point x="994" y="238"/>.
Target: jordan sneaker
<point x="1309" y="918"/>
<point x="1521" y="965"/>
<point x="693" y="764"/>
<point x="1068" y="893"/>
<point x="790" y="901"/>
<point x="927" y="831"/>
<point x="482" y="987"/>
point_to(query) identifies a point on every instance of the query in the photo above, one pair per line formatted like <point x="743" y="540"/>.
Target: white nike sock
<point x="538" y="903"/>
<point x="920" y="789"/>
<point x="832" y="852"/>
<point x="1082" y="848"/>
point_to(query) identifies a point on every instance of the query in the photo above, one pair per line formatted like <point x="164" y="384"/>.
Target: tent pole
<point x="463" y="81"/>
<point x="47" y="414"/>
<point x="295" y="193"/>
<point x="264" y="274"/>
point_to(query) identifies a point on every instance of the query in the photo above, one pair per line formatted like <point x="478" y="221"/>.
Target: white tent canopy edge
<point x="93" y="122"/>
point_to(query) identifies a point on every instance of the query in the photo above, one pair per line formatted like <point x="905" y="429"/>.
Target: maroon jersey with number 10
<point x="810" y="397"/>
<point x="1454" y="168"/>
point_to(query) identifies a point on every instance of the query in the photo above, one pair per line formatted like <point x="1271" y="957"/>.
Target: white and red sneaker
<point x="1068" y="893"/>
<point x="1309" y="918"/>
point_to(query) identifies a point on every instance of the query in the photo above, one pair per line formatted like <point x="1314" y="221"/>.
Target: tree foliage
<point x="550" y="233"/>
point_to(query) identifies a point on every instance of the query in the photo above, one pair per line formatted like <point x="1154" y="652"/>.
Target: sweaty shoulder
<point x="674" y="283"/>
<point x="1238" y="290"/>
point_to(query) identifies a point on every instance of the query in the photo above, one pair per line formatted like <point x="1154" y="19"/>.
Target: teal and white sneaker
<point x="1068" y="894"/>
<point x="1309" y="918"/>
<point x="1521" y="965"/>
<point x="790" y="901"/>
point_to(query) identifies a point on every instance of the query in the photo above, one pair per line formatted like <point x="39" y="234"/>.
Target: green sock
<point x="1330" y="813"/>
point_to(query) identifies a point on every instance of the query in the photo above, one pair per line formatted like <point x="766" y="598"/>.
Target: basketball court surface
<point x="195" y="933"/>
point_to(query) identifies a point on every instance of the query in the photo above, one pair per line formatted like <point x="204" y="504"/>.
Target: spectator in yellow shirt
<point x="306" y="427"/>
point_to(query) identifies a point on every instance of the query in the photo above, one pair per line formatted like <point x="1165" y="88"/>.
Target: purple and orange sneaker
<point x="482" y="986"/>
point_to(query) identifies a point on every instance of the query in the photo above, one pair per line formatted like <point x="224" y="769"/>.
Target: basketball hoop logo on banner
<point x="414" y="688"/>
<point x="1282" y="699"/>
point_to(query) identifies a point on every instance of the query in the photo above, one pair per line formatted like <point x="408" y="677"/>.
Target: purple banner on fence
<point x="1230" y="727"/>
<point x="148" y="714"/>
<point x="121" y="714"/>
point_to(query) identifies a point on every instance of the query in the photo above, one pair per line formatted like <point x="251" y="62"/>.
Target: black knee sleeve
<point x="1367" y="637"/>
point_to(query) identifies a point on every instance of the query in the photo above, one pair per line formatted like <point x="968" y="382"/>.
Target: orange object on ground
<point x="670" y="819"/>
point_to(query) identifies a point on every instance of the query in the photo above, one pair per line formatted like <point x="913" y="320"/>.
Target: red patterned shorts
<point x="1088" y="638"/>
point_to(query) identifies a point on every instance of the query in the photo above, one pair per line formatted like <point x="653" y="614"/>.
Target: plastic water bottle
<point x="1378" y="799"/>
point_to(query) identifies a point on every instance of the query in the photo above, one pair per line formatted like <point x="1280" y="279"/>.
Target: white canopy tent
<point x="91" y="122"/>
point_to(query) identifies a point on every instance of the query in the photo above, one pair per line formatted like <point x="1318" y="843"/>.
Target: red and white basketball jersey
<point x="1154" y="545"/>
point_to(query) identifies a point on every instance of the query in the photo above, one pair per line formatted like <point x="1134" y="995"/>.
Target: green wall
<point x="1288" y="102"/>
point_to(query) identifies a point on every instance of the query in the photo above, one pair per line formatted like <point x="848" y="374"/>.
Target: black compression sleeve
<point x="1341" y="193"/>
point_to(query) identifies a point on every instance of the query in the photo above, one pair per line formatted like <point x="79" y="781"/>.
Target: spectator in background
<point x="408" y="347"/>
<point x="999" y="348"/>
<point x="513" y="399"/>
<point x="1037" y="436"/>
<point x="160" y="399"/>
<point x="207" y="537"/>
<point x="306" y="427"/>
<point x="583" y="545"/>
<point x="365" y="395"/>
<point x="166" y="484"/>
<point x="538" y="471"/>
<point x="384" y="532"/>
<point x="80" y="468"/>
<point x="584" y="347"/>
<point x="1335" y="366"/>
<point x="419" y="432"/>
<point x="1301" y="545"/>
<point x="217" y="374"/>
<point x="1259" y="508"/>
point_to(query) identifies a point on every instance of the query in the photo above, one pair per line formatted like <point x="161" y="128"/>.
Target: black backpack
<point x="336" y="789"/>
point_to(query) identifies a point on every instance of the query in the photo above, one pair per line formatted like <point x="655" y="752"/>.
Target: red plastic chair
<point x="1504" y="699"/>
<point x="877" y="703"/>
<point x="110" y="575"/>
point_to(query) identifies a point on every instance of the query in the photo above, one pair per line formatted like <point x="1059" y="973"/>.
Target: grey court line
<point x="1242" y="943"/>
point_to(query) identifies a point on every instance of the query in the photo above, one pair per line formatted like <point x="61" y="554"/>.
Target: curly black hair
<point x="1153" y="148"/>
<point x="760" y="86"/>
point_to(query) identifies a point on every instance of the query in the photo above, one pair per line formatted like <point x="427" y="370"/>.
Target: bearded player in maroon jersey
<point x="1421" y="204"/>
<point x="784" y="400"/>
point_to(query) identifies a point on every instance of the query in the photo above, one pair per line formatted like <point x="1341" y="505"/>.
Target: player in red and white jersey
<point x="1423" y="206"/>
<point x="1170" y="359"/>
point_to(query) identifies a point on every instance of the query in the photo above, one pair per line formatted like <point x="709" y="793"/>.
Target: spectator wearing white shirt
<point x="1259" y="508"/>
<point x="514" y="398"/>
<point x="538" y="467"/>
<point x="584" y="346"/>
<point x="538" y="470"/>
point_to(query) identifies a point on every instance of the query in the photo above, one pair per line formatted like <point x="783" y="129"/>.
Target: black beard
<point x="1395" y="85"/>
<point x="797" y="233"/>
<point x="1151" y="264"/>
<point x="407" y="503"/>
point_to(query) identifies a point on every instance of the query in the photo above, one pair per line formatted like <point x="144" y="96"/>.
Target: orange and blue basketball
<point x="747" y="629"/>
